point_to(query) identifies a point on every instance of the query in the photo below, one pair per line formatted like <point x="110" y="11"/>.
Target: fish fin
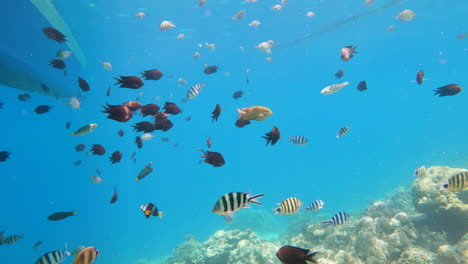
<point x="228" y="219"/>
<point x="277" y="210"/>
<point x="74" y="213"/>
<point x="311" y="256"/>
<point x="240" y="112"/>
<point x="253" y="199"/>
<point x="119" y="81"/>
<point x="160" y="214"/>
<point x="327" y="223"/>
<point x="246" y="206"/>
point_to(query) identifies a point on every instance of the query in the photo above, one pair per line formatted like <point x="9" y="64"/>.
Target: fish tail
<point x="253" y="199"/>
<point x="241" y="113"/>
<point x="160" y="214"/>
<point x="119" y="81"/>
<point x="327" y="223"/>
<point x="277" y="210"/>
<point x="311" y="256"/>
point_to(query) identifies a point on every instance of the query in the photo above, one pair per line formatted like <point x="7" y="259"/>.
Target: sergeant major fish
<point x="289" y="206"/>
<point x="343" y="131"/>
<point x="298" y="140"/>
<point x="339" y="219"/>
<point x="233" y="201"/>
<point x="11" y="239"/>
<point x="195" y="90"/>
<point x="458" y="182"/>
<point x="53" y="257"/>
<point x="315" y="206"/>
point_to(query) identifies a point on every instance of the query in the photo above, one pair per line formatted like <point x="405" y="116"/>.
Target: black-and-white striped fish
<point x="11" y="239"/>
<point x="53" y="257"/>
<point x="458" y="182"/>
<point x="343" y="131"/>
<point x="338" y="219"/>
<point x="85" y="130"/>
<point x="298" y="140"/>
<point x="233" y="201"/>
<point x="315" y="206"/>
<point x="289" y="206"/>
<point x="77" y="250"/>
<point x="334" y="88"/>
<point x="194" y="90"/>
<point x="421" y="171"/>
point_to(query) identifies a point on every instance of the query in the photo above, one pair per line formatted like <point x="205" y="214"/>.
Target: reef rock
<point x="230" y="247"/>
<point x="446" y="211"/>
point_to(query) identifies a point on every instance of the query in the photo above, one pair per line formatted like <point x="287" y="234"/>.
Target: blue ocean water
<point x="395" y="126"/>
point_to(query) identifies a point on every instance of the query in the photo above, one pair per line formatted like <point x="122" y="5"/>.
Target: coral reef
<point x="447" y="211"/>
<point x="418" y="226"/>
<point x="233" y="247"/>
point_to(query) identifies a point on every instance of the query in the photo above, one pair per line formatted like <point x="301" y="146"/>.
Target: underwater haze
<point x="395" y="125"/>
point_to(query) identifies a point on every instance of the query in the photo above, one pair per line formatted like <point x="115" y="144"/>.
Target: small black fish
<point x="115" y="196"/>
<point x="45" y="88"/>
<point x="42" y="109"/>
<point x="295" y="255"/>
<point x="58" y="64"/>
<point x="1" y="105"/>
<point x="67" y="125"/>
<point x="108" y="92"/>
<point x="37" y="244"/>
<point x="24" y="97"/>
<point x="4" y="155"/>
<point x="120" y="133"/>
<point x="84" y="86"/>
<point x="273" y="136"/>
<point x="339" y="74"/>
<point x="60" y="215"/>
<point x="216" y="112"/>
<point x="211" y="69"/>
<point x="420" y="77"/>
<point x="213" y="158"/>
<point x="139" y="142"/>
<point x="448" y="90"/>
<point x="80" y="147"/>
<point x="362" y="86"/>
<point x="238" y="94"/>
<point x="76" y="163"/>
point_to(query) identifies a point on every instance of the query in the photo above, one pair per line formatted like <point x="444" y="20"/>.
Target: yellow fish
<point x="257" y="113"/>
